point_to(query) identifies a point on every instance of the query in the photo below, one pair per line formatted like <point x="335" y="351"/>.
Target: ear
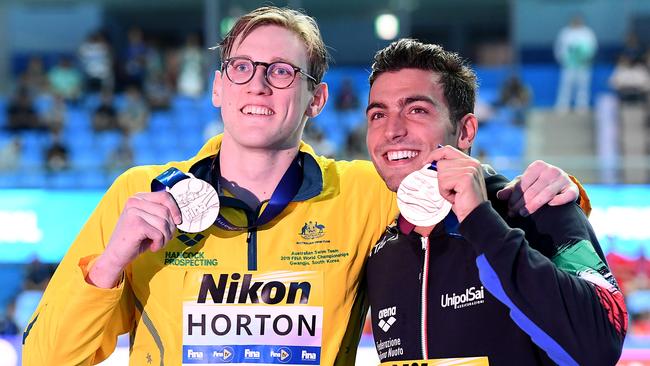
<point x="317" y="101"/>
<point x="467" y="128"/>
<point x="216" y="89"/>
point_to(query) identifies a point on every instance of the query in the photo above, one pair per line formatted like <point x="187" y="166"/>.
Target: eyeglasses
<point x="280" y="75"/>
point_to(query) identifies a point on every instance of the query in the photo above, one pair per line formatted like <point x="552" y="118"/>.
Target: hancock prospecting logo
<point x="312" y="230"/>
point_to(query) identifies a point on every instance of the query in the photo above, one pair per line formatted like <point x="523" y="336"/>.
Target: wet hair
<point x="301" y="24"/>
<point x="457" y="78"/>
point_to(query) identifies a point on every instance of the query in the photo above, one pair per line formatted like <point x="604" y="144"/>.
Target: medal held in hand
<point x="419" y="199"/>
<point x="198" y="202"/>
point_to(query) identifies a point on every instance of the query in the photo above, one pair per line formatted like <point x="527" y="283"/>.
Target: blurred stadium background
<point x="89" y="88"/>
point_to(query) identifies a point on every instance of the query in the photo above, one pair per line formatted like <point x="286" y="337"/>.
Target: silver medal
<point x="198" y="202"/>
<point x="419" y="199"/>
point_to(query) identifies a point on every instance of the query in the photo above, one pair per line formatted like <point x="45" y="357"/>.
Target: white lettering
<point x="194" y="354"/>
<point x="472" y="296"/>
<point x="251" y="354"/>
<point x="308" y="355"/>
<point x="384" y="313"/>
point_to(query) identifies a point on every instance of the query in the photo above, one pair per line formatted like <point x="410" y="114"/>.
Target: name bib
<point x="273" y="318"/>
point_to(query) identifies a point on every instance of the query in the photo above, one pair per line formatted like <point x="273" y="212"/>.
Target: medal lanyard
<point x="282" y="195"/>
<point x="167" y="178"/>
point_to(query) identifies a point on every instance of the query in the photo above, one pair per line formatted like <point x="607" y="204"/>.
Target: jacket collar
<point x="318" y="172"/>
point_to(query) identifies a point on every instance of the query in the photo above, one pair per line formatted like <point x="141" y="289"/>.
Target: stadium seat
<point x="3" y="111"/>
<point x="93" y="179"/>
<point x="160" y="121"/>
<point x="63" y="180"/>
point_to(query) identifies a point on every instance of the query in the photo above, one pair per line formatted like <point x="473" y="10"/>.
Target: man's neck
<point x="255" y="172"/>
<point x="424" y="231"/>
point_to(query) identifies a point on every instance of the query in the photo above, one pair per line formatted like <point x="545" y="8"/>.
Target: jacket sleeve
<point x="77" y="323"/>
<point x="569" y="304"/>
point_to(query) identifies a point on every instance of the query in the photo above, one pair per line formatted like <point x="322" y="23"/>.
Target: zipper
<point x="251" y="237"/>
<point x="251" y="241"/>
<point x="424" y="300"/>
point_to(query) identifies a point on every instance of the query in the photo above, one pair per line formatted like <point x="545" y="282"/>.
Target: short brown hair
<point x="458" y="80"/>
<point x="301" y="24"/>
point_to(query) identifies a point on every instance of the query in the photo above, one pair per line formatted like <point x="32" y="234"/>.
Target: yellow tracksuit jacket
<point x="286" y="293"/>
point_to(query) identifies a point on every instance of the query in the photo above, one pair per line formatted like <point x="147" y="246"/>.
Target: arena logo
<point x="387" y="318"/>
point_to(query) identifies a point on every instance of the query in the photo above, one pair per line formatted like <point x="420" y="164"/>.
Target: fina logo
<point x="312" y="230"/>
<point x="283" y="354"/>
<point x="194" y="355"/>
<point x="252" y="354"/>
<point x="308" y="356"/>
<point x="226" y="354"/>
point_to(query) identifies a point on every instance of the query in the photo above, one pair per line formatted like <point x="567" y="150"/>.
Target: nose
<point x="258" y="84"/>
<point x="395" y="128"/>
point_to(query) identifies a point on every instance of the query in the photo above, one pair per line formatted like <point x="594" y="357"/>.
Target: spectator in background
<point x="21" y="114"/>
<point x="190" y="79"/>
<point x="36" y="279"/>
<point x="516" y="96"/>
<point x="105" y="116"/>
<point x="575" y="48"/>
<point x="315" y="138"/>
<point x="346" y="97"/>
<point x="157" y="91"/>
<point x="631" y="81"/>
<point x="348" y="118"/>
<point x="65" y="80"/>
<point x="135" y="115"/>
<point x="34" y="78"/>
<point x="135" y="58"/>
<point x="632" y="48"/>
<point x="54" y="116"/>
<point x="10" y="154"/>
<point x="8" y="326"/>
<point x="121" y="158"/>
<point x="96" y="60"/>
<point x="56" y="155"/>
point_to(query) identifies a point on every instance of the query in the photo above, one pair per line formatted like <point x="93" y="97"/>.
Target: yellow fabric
<point x="77" y="323"/>
<point x="585" y="202"/>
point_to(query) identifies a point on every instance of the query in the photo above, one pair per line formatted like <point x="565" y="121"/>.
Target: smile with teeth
<point x="401" y="155"/>
<point x="257" y="110"/>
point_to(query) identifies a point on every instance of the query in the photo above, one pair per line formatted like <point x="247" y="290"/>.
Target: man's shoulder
<point x="353" y="168"/>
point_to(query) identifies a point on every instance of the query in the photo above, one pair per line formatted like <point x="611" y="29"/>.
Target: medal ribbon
<point x="282" y="195"/>
<point x="167" y="178"/>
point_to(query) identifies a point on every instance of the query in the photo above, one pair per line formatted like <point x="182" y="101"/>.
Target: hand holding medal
<point x="419" y="199"/>
<point x="197" y="200"/>
<point x="460" y="180"/>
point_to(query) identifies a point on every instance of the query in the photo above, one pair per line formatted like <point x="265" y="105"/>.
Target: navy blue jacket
<point x="542" y="297"/>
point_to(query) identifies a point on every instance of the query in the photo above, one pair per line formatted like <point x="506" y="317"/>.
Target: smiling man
<point x="478" y="292"/>
<point x="274" y="279"/>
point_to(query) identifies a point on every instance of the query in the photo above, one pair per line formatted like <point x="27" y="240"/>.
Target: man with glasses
<point x="274" y="276"/>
